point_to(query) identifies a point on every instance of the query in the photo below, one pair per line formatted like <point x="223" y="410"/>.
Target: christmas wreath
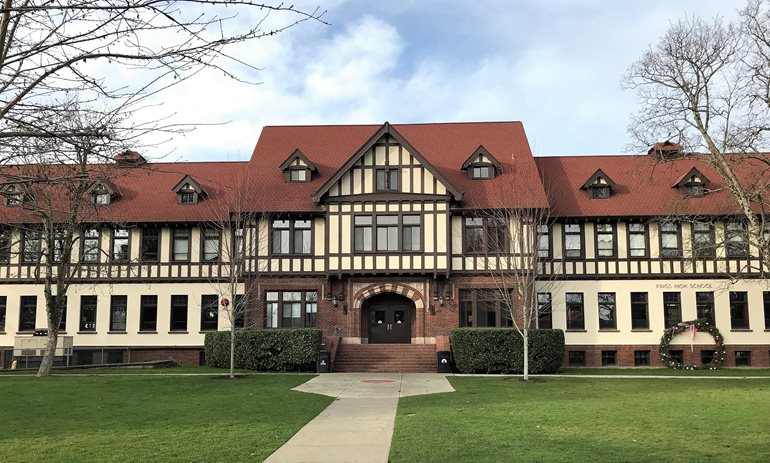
<point x="692" y="326"/>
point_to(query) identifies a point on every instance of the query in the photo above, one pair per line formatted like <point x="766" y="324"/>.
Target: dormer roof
<point x="298" y="158"/>
<point x="106" y="186"/>
<point x="188" y="183"/>
<point x="481" y="156"/>
<point x="598" y="179"/>
<point x="691" y="177"/>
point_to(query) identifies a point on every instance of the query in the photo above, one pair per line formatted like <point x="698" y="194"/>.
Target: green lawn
<point x="665" y="371"/>
<point x="142" y="419"/>
<point x="584" y="419"/>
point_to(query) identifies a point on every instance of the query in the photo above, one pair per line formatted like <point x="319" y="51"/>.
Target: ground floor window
<point x="641" y="358"/>
<point x="240" y="310"/>
<point x="483" y="308"/>
<point x="739" y="310"/>
<point x="209" y="312"/>
<point x="87" y="313"/>
<point x="291" y="309"/>
<point x="544" y="311"/>
<point x="742" y="358"/>
<point x="3" y="302"/>
<point x="148" y="313"/>
<point x="766" y="300"/>
<point x="677" y="355"/>
<point x="640" y="319"/>
<point x="672" y="309"/>
<point x="28" y="313"/>
<point x="118" y="312"/>
<point x="576" y="358"/>
<point x="575" y="314"/>
<point x="706" y="356"/>
<point x="609" y="358"/>
<point x="179" y="313"/>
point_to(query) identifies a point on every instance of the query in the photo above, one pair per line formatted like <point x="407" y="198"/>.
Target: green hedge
<point x="491" y="350"/>
<point x="266" y="350"/>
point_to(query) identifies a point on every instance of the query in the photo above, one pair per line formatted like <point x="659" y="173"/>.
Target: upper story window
<point x="735" y="236"/>
<point x="188" y="191"/>
<point x="59" y="237"/>
<point x="411" y="233"/>
<point x="150" y="244"/>
<point x="543" y="241"/>
<point x="605" y="240"/>
<point x="485" y="235"/>
<point x="393" y="233"/>
<point x="703" y="240"/>
<point x="180" y="249"/>
<point x="599" y="185"/>
<point x="637" y="240"/>
<point x="362" y="233"/>
<point x="239" y="245"/>
<point x="386" y="179"/>
<point x="120" y="239"/>
<point x="90" y="252"/>
<point x="210" y="243"/>
<point x="387" y="233"/>
<point x="30" y="246"/>
<point x="573" y="240"/>
<point x="5" y="244"/>
<point x="292" y="236"/>
<point x="297" y="167"/>
<point x="481" y="165"/>
<point x="669" y="240"/>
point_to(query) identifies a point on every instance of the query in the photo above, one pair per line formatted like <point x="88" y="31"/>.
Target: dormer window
<point x="481" y="165"/>
<point x="297" y="168"/>
<point x="189" y="191"/>
<point x="13" y="196"/>
<point x="103" y="192"/>
<point x="102" y="198"/>
<point x="693" y="184"/>
<point x="599" y="185"/>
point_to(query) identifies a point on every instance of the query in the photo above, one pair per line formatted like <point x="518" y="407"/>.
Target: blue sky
<point x="554" y="65"/>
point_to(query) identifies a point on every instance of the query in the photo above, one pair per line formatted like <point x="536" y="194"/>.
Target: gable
<point x="385" y="152"/>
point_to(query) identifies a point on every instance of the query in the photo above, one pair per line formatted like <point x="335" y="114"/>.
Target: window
<point x="30" y="246"/>
<point x="703" y="240"/>
<point x="672" y="309"/>
<point x="210" y="244"/>
<point x="63" y="319"/>
<point x="707" y="356"/>
<point x="181" y="245"/>
<point x="766" y="301"/>
<point x="639" y="312"/>
<point x="118" y="313"/>
<point x="607" y="318"/>
<point x="102" y="198"/>
<point x="150" y="244"/>
<point x="739" y="310"/>
<point x="543" y="241"/>
<point x="677" y="355"/>
<point x="299" y="175"/>
<point x="120" y="245"/>
<point x="5" y="245"/>
<point x="669" y="240"/>
<point x="188" y="197"/>
<point x="637" y="240"/>
<point x="600" y="192"/>
<point x="387" y="180"/>
<point x="544" y="311"/>
<point x="742" y="358"/>
<point x="575" y="317"/>
<point x="387" y="233"/>
<point x="3" y="303"/>
<point x="239" y="245"/>
<point x="483" y="308"/>
<point x="291" y="309"/>
<point x="411" y="232"/>
<point x="576" y="358"/>
<point x="90" y="245"/>
<point x="362" y="233"/>
<point x="605" y="240"/>
<point x="641" y="358"/>
<point x="87" y="313"/>
<point x="27" y="313"/>
<point x="481" y="172"/>
<point x="292" y="236"/>
<point x="179" y="313"/>
<point x="59" y="235"/>
<point x="609" y="358"/>
<point x="573" y="241"/>
<point x="209" y="312"/>
<point x="735" y="236"/>
<point x="485" y="235"/>
<point x="704" y="305"/>
<point x="148" y="313"/>
<point x="240" y="310"/>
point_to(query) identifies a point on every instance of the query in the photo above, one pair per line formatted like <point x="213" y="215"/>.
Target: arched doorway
<point x="389" y="318"/>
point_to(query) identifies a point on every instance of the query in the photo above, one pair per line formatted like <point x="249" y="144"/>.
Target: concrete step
<point x="385" y="358"/>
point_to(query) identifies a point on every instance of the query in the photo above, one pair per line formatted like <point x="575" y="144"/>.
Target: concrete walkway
<point x="358" y="425"/>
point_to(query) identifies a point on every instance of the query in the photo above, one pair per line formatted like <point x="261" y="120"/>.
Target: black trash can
<point x="444" y="361"/>
<point x="324" y="362"/>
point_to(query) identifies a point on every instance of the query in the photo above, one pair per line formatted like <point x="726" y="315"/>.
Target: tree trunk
<point x="50" y="352"/>
<point x="525" y="339"/>
<point x="232" y="351"/>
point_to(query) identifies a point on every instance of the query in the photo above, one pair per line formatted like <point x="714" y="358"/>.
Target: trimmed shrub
<point x="494" y="350"/>
<point x="266" y="350"/>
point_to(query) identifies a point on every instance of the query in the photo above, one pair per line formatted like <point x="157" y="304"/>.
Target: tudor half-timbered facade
<point x="383" y="235"/>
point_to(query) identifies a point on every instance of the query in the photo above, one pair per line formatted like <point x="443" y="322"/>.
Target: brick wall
<point x="760" y="354"/>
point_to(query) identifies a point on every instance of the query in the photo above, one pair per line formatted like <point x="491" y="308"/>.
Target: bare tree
<point x="240" y="225"/>
<point x="515" y="244"/>
<point x="706" y="86"/>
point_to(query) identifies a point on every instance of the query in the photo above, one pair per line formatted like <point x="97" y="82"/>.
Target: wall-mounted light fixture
<point x="334" y="301"/>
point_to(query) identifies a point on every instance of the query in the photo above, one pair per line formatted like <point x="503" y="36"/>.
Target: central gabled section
<point x="386" y="165"/>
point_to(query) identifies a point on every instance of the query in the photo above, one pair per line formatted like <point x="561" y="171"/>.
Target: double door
<point x="389" y="324"/>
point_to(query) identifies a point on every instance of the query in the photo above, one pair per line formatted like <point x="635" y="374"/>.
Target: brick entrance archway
<point x="397" y="288"/>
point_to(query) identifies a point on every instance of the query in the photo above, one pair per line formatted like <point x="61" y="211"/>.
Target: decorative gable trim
<point x="386" y="129"/>
<point x="103" y="186"/>
<point x="291" y="161"/>
<point x="692" y="177"/>
<point x="479" y="153"/>
<point x="599" y="179"/>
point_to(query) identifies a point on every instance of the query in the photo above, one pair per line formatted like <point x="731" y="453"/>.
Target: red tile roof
<point x="643" y="185"/>
<point x="445" y="146"/>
